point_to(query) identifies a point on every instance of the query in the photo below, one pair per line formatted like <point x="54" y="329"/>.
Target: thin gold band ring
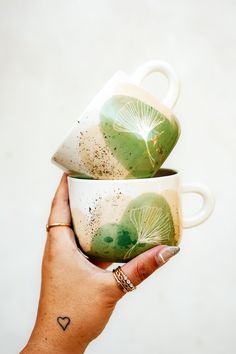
<point x="48" y="227"/>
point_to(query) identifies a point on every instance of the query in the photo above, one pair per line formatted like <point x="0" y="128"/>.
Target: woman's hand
<point x="78" y="297"/>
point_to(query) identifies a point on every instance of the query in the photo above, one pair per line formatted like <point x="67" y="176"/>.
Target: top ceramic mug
<point x="125" y="132"/>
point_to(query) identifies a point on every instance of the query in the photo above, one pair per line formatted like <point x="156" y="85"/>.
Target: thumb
<point x="140" y="267"/>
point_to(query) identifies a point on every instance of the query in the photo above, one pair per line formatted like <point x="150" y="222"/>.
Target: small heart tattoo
<point x="63" y="322"/>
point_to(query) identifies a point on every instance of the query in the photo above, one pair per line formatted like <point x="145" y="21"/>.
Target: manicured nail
<point x="165" y="254"/>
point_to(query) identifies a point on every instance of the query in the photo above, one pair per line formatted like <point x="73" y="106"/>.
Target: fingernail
<point x="165" y="254"/>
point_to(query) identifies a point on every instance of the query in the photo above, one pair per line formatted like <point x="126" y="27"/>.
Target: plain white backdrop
<point x="54" y="56"/>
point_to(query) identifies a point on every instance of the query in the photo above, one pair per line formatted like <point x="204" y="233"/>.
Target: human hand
<point x="78" y="297"/>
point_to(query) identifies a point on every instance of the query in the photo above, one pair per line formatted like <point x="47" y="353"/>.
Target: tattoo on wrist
<point x="63" y="322"/>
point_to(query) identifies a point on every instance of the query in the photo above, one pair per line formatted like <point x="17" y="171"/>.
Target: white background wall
<point x="54" y="56"/>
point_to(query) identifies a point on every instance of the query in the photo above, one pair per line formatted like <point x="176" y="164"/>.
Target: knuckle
<point x="48" y="258"/>
<point x="110" y="291"/>
<point x="55" y="251"/>
<point x="51" y="248"/>
<point x="142" y="270"/>
<point x="55" y="243"/>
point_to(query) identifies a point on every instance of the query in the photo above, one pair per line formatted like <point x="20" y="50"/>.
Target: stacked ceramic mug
<point x="121" y="202"/>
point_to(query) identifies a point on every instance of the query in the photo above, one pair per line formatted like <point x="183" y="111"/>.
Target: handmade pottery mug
<point x="117" y="220"/>
<point x="125" y="132"/>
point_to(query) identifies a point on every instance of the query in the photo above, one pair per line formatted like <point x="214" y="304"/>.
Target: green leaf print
<point x="139" y="136"/>
<point x="146" y="222"/>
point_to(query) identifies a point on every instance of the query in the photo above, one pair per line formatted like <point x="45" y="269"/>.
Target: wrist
<point x="53" y="344"/>
<point x="49" y="348"/>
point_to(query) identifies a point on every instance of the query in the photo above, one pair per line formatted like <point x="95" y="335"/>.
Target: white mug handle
<point x="207" y="205"/>
<point x="164" y="68"/>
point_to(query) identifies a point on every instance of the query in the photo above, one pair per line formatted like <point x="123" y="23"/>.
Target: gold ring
<point x="48" y="227"/>
<point x="123" y="282"/>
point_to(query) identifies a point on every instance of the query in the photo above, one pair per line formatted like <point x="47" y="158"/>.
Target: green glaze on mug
<point x="112" y="241"/>
<point x="140" y="137"/>
<point x="81" y="176"/>
<point x="146" y="222"/>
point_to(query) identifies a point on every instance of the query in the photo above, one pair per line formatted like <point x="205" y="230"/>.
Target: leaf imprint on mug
<point x="139" y="118"/>
<point x="152" y="225"/>
<point x="146" y="222"/>
<point x="63" y="322"/>
<point x="151" y="217"/>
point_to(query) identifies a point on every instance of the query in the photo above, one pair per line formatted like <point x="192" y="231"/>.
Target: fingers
<point x="142" y="266"/>
<point x="60" y="213"/>
<point x="60" y="210"/>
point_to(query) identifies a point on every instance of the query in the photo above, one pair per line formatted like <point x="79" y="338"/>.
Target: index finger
<point x="60" y="209"/>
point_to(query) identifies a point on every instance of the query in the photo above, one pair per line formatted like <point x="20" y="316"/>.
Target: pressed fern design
<point x="152" y="225"/>
<point x="138" y="118"/>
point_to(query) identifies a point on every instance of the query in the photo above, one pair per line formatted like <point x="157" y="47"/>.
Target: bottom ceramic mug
<point x="115" y="220"/>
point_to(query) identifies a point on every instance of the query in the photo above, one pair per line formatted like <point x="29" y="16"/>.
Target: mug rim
<point x="162" y="173"/>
